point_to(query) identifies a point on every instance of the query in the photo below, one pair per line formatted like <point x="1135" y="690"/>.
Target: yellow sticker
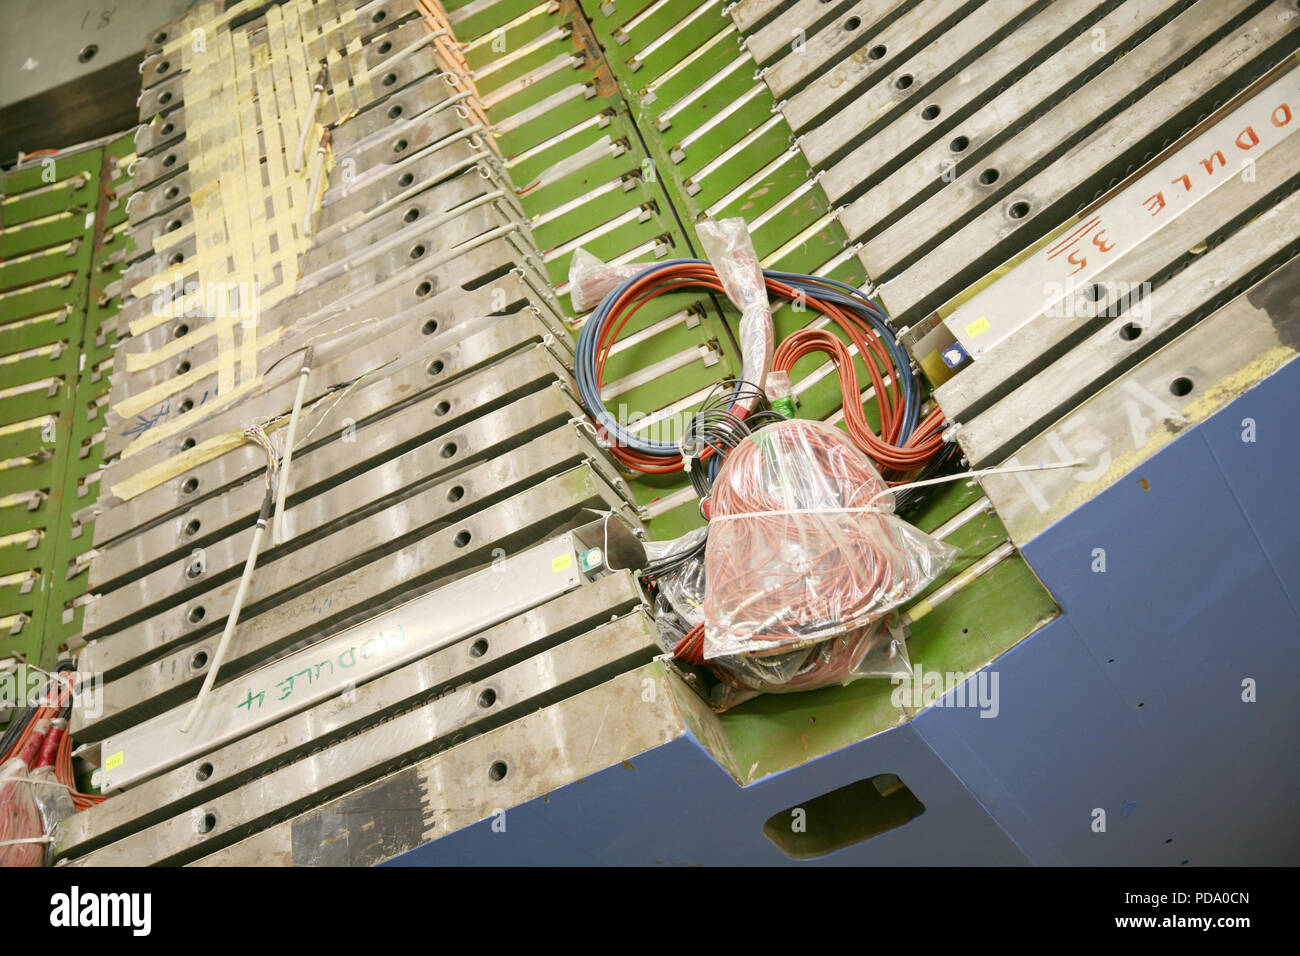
<point x="563" y="562"/>
<point x="115" y="761"/>
<point x="978" y="327"/>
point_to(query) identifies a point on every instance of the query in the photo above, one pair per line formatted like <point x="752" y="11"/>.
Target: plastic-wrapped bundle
<point x="874" y="650"/>
<point x="803" y="544"/>
<point x="22" y="829"/>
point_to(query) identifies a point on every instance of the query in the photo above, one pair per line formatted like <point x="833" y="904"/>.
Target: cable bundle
<point x="799" y="549"/>
<point x="56" y="701"/>
<point x="905" y="442"/>
<point x="21" y="827"/>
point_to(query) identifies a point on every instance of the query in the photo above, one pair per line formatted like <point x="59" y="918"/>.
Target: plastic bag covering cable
<point x="801" y="547"/>
<point x="729" y="248"/>
<point x="22" y="830"/>
<point x="877" y="649"/>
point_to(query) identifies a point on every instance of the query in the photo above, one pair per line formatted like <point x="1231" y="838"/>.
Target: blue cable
<point x="849" y="298"/>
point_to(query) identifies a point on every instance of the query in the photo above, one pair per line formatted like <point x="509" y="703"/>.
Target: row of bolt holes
<point x="1017" y="210"/>
<point x="497" y="771"/>
<point x="436" y="367"/>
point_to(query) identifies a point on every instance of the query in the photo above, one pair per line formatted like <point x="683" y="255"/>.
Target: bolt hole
<point x="1181" y="386"/>
<point x="903" y="82"/>
<point x="462" y="539"/>
<point x="449" y="450"/>
<point x="195" y="570"/>
<point x="405" y="180"/>
<point x="989" y="177"/>
<point x="167" y="129"/>
<point x="176" y="259"/>
<point x="1018" y="210"/>
<point x="436" y="367"/>
<point x="412" y="214"/>
<point x="164" y="66"/>
<point x="192" y="528"/>
<point x="400" y="145"/>
<point x="877" y="52"/>
<point x="455" y="493"/>
<point x="478" y="648"/>
<point x="165" y="98"/>
<point x="186" y="405"/>
<point x="395" y="112"/>
<point x="160" y="38"/>
<point x="959" y="144"/>
<point x="172" y="192"/>
<point x="190" y="486"/>
<point x="204" y="772"/>
<point x="169" y="159"/>
<point x="187" y="444"/>
<point x="498" y="770"/>
<point x="430" y="327"/>
<point x="389" y="80"/>
<point x="423" y="289"/>
<point x="1129" y="331"/>
<point x="379" y="16"/>
<point x="417" y="252"/>
<point x="385" y="47"/>
<point x="442" y="408"/>
<point x="207" y="823"/>
<point x="487" y="698"/>
<point x="182" y="368"/>
<point x="88" y="53"/>
<point x="852" y="23"/>
<point x="930" y="112"/>
<point x="199" y="660"/>
<point x="173" y="225"/>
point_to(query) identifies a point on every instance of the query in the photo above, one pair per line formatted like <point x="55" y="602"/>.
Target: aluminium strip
<point x="487" y="281"/>
<point x="167" y="61"/>
<point x="1106" y="353"/>
<point x="1135" y="213"/>
<point x="482" y="777"/>
<point x="771" y="27"/>
<point x="381" y="422"/>
<point x="413" y="243"/>
<point x="580" y="663"/>
<point x="274" y="396"/>
<point x="221" y="770"/>
<point x="335" y="506"/>
<point x="313" y="613"/>
<point x="1118" y="284"/>
<point x="845" y="58"/>
<point x="133" y="639"/>
<point x="1133" y="417"/>
<point x="907" y="90"/>
<point x="923" y="260"/>
<point x="920" y="165"/>
<point x="361" y="653"/>
<point x="853" y="163"/>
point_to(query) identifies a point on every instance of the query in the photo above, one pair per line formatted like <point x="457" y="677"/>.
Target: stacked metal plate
<point x="1047" y="195"/>
<point x="61" y="246"/>
<point x="378" y="305"/>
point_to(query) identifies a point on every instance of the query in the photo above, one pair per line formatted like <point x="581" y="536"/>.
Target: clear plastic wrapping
<point x="731" y="253"/>
<point x="24" y="828"/>
<point x="590" y="280"/>
<point x="803" y="544"/>
<point x="878" y="649"/>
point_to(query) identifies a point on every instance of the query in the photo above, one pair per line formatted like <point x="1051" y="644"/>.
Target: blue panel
<point x="1132" y="702"/>
<point x="1149" y="662"/>
<point x="675" y="806"/>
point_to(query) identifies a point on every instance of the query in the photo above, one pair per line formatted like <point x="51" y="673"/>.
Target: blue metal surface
<point x="1131" y="702"/>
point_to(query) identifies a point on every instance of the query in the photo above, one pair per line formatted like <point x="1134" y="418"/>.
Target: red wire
<point x="898" y="460"/>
